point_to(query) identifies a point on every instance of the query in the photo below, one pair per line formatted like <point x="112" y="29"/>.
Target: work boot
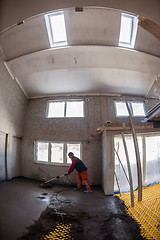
<point x="86" y="191"/>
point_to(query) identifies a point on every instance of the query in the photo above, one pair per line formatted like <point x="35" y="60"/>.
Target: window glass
<point x="75" y="148"/>
<point x="121" y="109"/>
<point x="74" y="109"/>
<point x="65" y="109"/>
<point x="56" y="109"/>
<point x="120" y="168"/>
<point x="55" y="23"/>
<point x="126" y="29"/>
<point x="53" y="152"/>
<point x="152" y="159"/>
<point x="42" y="151"/>
<point x="138" y="109"/>
<point x="57" y="152"/>
<point x="58" y="27"/>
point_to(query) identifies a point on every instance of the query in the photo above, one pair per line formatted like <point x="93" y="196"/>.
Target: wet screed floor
<point x="29" y="212"/>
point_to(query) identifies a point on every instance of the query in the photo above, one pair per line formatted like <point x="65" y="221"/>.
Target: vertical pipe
<point x="129" y="170"/>
<point x="144" y="159"/>
<point x="6" y="156"/>
<point x="139" y="171"/>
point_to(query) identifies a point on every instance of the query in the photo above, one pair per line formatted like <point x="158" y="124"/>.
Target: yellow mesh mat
<point x="61" y="231"/>
<point x="146" y="212"/>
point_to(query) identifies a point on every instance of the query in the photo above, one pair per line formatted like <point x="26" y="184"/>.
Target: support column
<point x="108" y="163"/>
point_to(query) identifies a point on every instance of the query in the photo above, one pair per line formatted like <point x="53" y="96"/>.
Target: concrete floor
<point x="20" y="205"/>
<point x="29" y="212"/>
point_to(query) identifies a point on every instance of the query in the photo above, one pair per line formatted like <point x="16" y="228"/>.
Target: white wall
<point x="12" y="12"/>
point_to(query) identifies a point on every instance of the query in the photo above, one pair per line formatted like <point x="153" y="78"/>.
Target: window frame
<point x="49" y="162"/>
<point x="134" y="27"/>
<point x="65" y="107"/>
<point x="131" y="109"/>
<point x="50" y="29"/>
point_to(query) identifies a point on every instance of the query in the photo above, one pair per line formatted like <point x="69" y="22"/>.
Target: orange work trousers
<point x="83" y="177"/>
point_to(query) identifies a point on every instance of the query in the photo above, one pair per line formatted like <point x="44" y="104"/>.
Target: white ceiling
<point x="91" y="63"/>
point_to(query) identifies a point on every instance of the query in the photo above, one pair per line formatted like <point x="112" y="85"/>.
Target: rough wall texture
<point x="98" y="110"/>
<point x="38" y="127"/>
<point x="13" y="105"/>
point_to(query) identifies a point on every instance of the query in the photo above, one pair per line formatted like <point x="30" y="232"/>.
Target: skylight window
<point x="128" y="30"/>
<point x="55" y="23"/>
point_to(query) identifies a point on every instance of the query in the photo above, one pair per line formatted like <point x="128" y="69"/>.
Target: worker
<point x="82" y="175"/>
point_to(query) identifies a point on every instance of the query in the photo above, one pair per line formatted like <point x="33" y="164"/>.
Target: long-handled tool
<point x="46" y="183"/>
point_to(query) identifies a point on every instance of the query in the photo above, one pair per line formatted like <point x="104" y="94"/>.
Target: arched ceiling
<point x="92" y="62"/>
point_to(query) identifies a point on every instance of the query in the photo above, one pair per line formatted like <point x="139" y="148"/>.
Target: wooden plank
<point x="139" y="171"/>
<point x="129" y="169"/>
<point x="96" y="133"/>
<point x="150" y="27"/>
<point x="121" y="127"/>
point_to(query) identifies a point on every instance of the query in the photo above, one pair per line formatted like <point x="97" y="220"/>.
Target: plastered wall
<point x="13" y="105"/>
<point x="98" y="158"/>
<point x="12" y="12"/>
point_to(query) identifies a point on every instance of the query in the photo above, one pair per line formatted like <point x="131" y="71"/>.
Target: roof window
<point x="128" y="30"/>
<point x="55" y="23"/>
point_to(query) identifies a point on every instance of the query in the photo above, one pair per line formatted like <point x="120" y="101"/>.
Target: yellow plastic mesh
<point x="61" y="231"/>
<point x="146" y="212"/>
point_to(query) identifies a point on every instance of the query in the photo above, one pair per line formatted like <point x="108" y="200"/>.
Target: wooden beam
<point x="139" y="171"/>
<point x="150" y="27"/>
<point x="121" y="127"/>
<point x="96" y="133"/>
<point x="129" y="169"/>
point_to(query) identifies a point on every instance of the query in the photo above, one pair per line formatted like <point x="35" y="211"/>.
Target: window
<point x="55" y="23"/>
<point x="56" y="152"/>
<point x="75" y="148"/>
<point x="137" y="109"/>
<point x="42" y="151"/>
<point x="149" y="148"/>
<point x="120" y="160"/>
<point x="65" y="109"/>
<point x="128" y="30"/>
